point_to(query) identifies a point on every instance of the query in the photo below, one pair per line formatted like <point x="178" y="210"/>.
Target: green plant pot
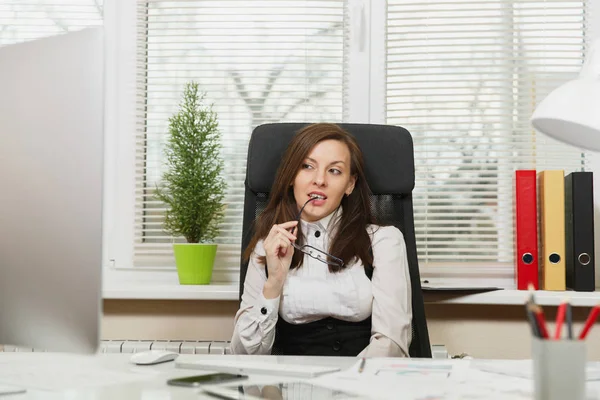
<point x="194" y="262"/>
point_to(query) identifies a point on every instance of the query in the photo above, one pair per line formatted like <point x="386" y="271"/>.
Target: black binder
<point x="579" y="231"/>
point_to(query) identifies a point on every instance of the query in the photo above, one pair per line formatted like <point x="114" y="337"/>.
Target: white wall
<point x="480" y="331"/>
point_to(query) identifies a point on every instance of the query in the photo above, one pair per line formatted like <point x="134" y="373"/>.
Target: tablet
<point x="281" y="391"/>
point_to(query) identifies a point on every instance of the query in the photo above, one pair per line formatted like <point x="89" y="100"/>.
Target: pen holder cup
<point x="559" y="369"/>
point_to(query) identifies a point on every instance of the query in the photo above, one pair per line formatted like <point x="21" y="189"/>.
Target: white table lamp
<point x="571" y="112"/>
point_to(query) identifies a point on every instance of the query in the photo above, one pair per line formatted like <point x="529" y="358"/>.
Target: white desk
<point x="136" y="382"/>
<point x="149" y="383"/>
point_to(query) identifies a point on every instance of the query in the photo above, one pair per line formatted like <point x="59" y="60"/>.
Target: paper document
<point x="6" y="390"/>
<point x="385" y="379"/>
<point x="523" y="368"/>
<point x="409" y="368"/>
<point x="298" y="390"/>
<point x="405" y="367"/>
<point x="56" y="372"/>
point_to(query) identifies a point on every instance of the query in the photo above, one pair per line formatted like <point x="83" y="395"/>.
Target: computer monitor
<point x="51" y="171"/>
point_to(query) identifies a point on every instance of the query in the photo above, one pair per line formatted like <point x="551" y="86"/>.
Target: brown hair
<point x="354" y="243"/>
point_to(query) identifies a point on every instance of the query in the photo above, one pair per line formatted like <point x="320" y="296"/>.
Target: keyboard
<point x="235" y="366"/>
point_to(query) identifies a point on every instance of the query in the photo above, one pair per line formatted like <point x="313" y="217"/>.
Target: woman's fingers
<point x="282" y="229"/>
<point x="288" y="225"/>
<point x="284" y="245"/>
<point x="279" y="239"/>
<point x="278" y="242"/>
<point x="275" y="236"/>
<point x="286" y="234"/>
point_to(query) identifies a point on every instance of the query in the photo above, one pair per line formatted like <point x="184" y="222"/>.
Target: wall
<point x="480" y="331"/>
<point x="495" y="331"/>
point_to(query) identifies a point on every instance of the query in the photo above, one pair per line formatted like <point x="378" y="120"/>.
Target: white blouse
<point x="311" y="293"/>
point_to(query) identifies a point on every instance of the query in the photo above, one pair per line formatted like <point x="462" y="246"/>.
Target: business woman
<point x="323" y="278"/>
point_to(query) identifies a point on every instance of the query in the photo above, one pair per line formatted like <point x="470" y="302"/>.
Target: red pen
<point x="590" y="321"/>
<point x="560" y="318"/>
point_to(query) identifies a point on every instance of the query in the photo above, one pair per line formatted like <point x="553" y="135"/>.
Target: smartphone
<point x="210" y="379"/>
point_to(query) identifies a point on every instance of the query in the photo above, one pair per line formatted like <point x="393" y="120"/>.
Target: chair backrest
<point x="390" y="172"/>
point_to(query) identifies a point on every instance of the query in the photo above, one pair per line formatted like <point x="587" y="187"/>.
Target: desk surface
<point x="112" y="376"/>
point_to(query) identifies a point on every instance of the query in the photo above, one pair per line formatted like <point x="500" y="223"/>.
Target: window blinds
<point x="258" y="62"/>
<point x="464" y="78"/>
<point x="22" y="20"/>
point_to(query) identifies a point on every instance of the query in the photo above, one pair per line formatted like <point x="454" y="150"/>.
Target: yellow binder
<point x="552" y="229"/>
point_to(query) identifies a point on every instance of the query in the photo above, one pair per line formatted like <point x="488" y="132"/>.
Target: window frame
<point x="119" y="199"/>
<point x="365" y="99"/>
<point x="491" y="273"/>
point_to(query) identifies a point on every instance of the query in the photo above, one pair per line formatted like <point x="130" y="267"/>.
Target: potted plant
<point x="192" y="186"/>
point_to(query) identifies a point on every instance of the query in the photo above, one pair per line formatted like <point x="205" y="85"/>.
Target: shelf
<point x="513" y="297"/>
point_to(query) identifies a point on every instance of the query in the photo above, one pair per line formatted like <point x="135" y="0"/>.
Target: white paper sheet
<point x="523" y="368"/>
<point x="6" y="390"/>
<point x="398" y="379"/>
<point x="57" y="372"/>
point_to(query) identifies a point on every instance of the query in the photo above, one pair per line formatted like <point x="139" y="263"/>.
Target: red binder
<point x="526" y="240"/>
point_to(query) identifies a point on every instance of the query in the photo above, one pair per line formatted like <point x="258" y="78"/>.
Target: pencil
<point x="569" y="321"/>
<point x="361" y="367"/>
<point x="535" y="329"/>
<point x="539" y="316"/>
<point x="589" y="322"/>
<point x="529" y="308"/>
<point x="560" y="318"/>
<point x="531" y="290"/>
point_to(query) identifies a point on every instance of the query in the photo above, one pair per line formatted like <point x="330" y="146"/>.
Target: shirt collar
<point x="326" y="223"/>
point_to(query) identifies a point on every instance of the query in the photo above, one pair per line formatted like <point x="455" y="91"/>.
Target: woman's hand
<point x="279" y="252"/>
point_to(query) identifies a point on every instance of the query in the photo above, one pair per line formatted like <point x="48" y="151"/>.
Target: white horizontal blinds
<point x="258" y="62"/>
<point x="23" y="20"/>
<point x="464" y="78"/>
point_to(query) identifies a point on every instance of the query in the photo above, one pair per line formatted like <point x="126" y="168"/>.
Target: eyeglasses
<point x="320" y="255"/>
<point x="315" y="253"/>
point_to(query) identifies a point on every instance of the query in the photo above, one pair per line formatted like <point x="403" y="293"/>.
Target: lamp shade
<point x="571" y="112"/>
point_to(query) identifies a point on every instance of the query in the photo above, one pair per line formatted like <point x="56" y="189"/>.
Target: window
<point x="257" y="62"/>
<point x="464" y="78"/>
<point x="23" y="20"/>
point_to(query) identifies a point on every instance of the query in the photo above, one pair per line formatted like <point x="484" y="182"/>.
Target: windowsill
<point x="169" y="291"/>
<point x="229" y="292"/>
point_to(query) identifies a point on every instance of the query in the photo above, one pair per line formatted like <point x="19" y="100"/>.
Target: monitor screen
<point x="51" y="171"/>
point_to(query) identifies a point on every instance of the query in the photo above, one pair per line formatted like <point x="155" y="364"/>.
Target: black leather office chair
<point x="390" y="171"/>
